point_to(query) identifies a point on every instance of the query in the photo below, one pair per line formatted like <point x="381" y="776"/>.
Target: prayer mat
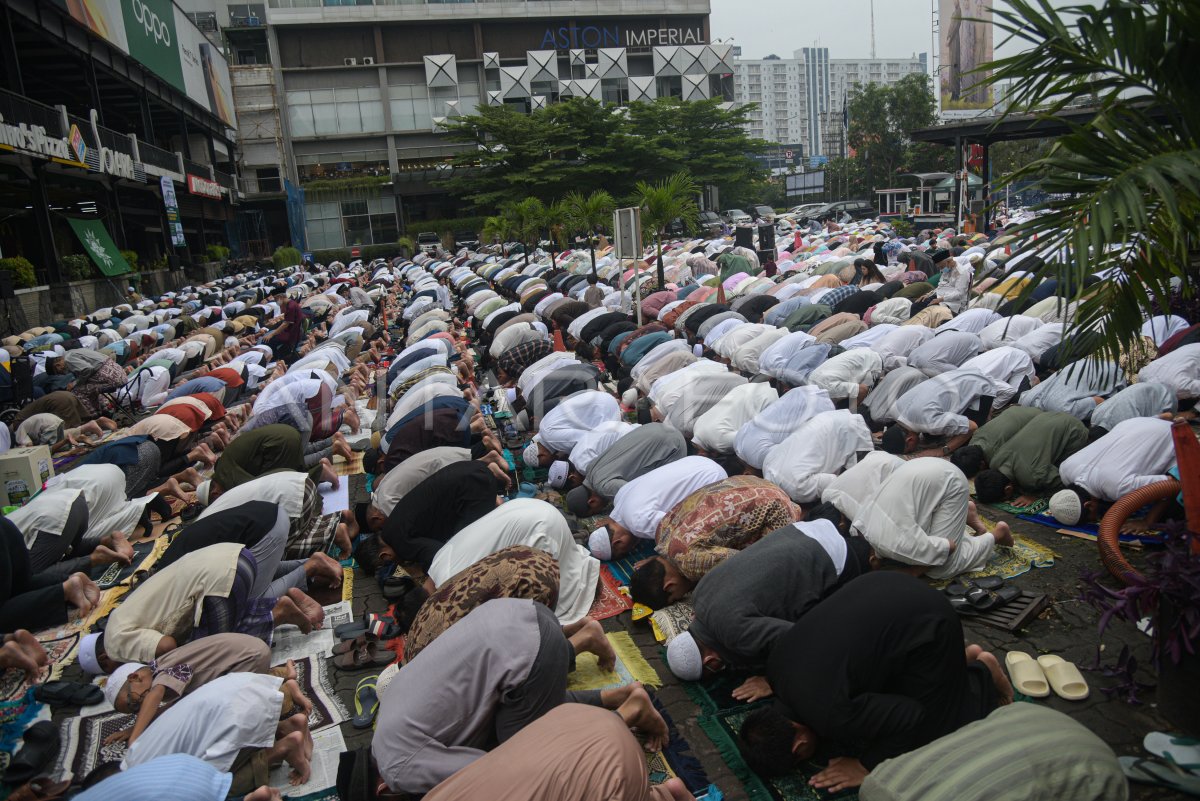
<point x="347" y="583"/>
<point x="351" y="467"/>
<point x="630" y="666"/>
<point x="675" y="759"/>
<point x="715" y="693"/>
<point x="611" y="600"/>
<point x="83" y="748"/>
<point x="111" y="575"/>
<point x="12" y="682"/>
<point x="317" y="537"/>
<point x="671" y="621"/>
<point x="312" y="674"/>
<point x="1037" y="507"/>
<point x="1011" y="562"/>
<point x="722" y="728"/>
<point x="623" y="568"/>
<point x="1091" y="531"/>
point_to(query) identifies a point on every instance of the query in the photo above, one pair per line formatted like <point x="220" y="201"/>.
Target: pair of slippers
<point x="1036" y="678"/>
<point x="361" y="653"/>
<point x="381" y="627"/>
<point x="975" y="596"/>
<point x="1179" y="768"/>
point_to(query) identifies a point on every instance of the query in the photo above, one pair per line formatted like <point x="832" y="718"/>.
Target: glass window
<point x="384" y="229"/>
<point x="301" y="120"/>
<point x="354" y="207"/>
<point x="299" y="98"/>
<point x="403" y="117"/>
<point x="372" y="115"/>
<point x="357" y="229"/>
<point x="348" y="120"/>
<point x="324" y="118"/>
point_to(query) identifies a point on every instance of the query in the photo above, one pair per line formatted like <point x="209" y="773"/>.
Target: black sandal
<point x="40" y="749"/>
<point x="68" y="693"/>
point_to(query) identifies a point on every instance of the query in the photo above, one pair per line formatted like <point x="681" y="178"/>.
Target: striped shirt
<point x="180" y="777"/>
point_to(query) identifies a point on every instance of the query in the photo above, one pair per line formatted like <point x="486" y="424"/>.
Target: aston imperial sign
<point x="590" y="37"/>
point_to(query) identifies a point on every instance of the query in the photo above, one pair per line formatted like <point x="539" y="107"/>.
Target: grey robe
<point x="637" y="453"/>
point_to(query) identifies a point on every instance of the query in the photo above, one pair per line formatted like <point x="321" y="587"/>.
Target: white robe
<point x="1007" y="330"/>
<point x="591" y="444"/>
<point x="574" y="415"/>
<point x="777" y="421"/>
<point x="700" y="394"/>
<point x="746" y="357"/>
<point x="1179" y="370"/>
<point x="103" y="488"/>
<point x="716" y="429"/>
<point x="1137" y="452"/>
<point x="857" y="485"/>
<point x="841" y="375"/>
<point x="534" y="524"/>
<point x="1007" y="366"/>
<point x="936" y="406"/>
<point x="805" y="463"/>
<point x="901" y="341"/>
<point x="642" y="503"/>
<point x="917" y="512"/>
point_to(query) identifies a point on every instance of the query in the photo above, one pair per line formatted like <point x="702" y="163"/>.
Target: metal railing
<point x="17" y="109"/>
<point x="158" y="157"/>
<point x="225" y="180"/>
<point x="195" y="168"/>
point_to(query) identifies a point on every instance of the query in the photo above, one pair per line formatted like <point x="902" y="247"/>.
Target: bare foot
<point x="286" y="611"/>
<point x="202" y="453"/>
<point x="351" y="419"/>
<point x="172" y="489"/>
<point x="1003" y="687"/>
<point x="1003" y="534"/>
<point x="291" y="748"/>
<point x="81" y="593"/>
<point x="266" y="793"/>
<point x="311" y="609"/>
<point x="613" y="698"/>
<point x="973" y="652"/>
<point x="106" y="424"/>
<point x="638" y="712"/>
<point x="190" y="476"/>
<point x="591" y="638"/>
<point x="341" y="447"/>
<point x="342" y="539"/>
<point x="324" y="566"/>
<point x="328" y="474"/>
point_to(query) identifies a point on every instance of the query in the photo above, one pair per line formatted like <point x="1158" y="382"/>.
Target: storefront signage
<point x="34" y="139"/>
<point x="590" y="37"/>
<point x="203" y="186"/>
<point x="171" y="204"/>
<point x="73" y="149"/>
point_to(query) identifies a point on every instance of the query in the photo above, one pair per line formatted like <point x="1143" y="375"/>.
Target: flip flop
<point x="1026" y="674"/>
<point x="1182" y="752"/>
<point x="979" y="600"/>
<point x="68" y="693"/>
<point x="348" y="631"/>
<point x="39" y="750"/>
<point x="346" y="646"/>
<point x="1151" y="771"/>
<point x="366" y="703"/>
<point x="1064" y="678"/>
<point x="962" y="587"/>
<point x="383" y="627"/>
<point x="365" y="658"/>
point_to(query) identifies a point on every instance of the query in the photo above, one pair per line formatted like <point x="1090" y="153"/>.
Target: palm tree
<point x="498" y="228"/>
<point x="555" y="222"/>
<point x="528" y="216"/>
<point x="663" y="203"/>
<point x="588" y="213"/>
<point x="1124" y="186"/>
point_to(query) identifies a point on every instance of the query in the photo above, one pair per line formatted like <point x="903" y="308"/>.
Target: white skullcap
<point x="87" y="654"/>
<point x="600" y="545"/>
<point x="530" y="454"/>
<point x="629" y="399"/>
<point x="511" y="394"/>
<point x="203" y="490"/>
<point x="683" y="657"/>
<point x="385" y="678"/>
<point x="1065" y="507"/>
<point x="698" y="349"/>
<point x="558" y="474"/>
<point x="117" y="680"/>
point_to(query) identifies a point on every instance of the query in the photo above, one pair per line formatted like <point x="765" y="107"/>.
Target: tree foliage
<point x="664" y="202"/>
<point x="1125" y="186"/>
<point x="588" y="214"/>
<point x="880" y="119"/>
<point x="581" y="145"/>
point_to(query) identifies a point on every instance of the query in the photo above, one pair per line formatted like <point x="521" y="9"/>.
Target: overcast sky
<point x="761" y="27"/>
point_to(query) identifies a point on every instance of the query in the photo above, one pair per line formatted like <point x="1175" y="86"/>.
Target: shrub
<point x="131" y="257"/>
<point x="286" y="257"/>
<point x="216" y="253"/>
<point x="77" y="266"/>
<point x="407" y="246"/>
<point x="331" y="255"/>
<point x="902" y="227"/>
<point x="24" y="276"/>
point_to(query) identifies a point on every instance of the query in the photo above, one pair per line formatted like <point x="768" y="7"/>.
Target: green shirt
<point x="1032" y="456"/>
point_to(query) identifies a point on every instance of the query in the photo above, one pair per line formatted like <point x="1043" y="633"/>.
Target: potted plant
<point x="1168" y="592"/>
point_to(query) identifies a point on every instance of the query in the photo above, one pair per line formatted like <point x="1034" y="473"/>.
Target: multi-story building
<point x="352" y="105"/>
<point x="800" y="99"/>
<point x="110" y="113"/>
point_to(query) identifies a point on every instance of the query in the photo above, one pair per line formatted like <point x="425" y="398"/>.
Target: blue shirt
<point x="196" y="385"/>
<point x="179" y="777"/>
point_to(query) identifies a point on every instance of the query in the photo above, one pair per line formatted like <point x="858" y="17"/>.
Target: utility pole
<point x="872" y="30"/>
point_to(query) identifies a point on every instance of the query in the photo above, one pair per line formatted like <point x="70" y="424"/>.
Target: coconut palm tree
<point x="589" y="213"/>
<point x="498" y="228"/>
<point x="662" y="203"/>
<point x="1124" y="187"/>
<point x="529" y="217"/>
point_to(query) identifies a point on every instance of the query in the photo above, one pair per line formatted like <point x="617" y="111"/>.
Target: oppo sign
<point x="155" y="26"/>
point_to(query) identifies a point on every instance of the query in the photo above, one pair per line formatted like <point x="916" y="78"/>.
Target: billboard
<point x="965" y="45"/>
<point x="160" y="36"/>
<point x="808" y="183"/>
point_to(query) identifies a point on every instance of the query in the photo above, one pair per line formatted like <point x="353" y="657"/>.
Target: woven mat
<point x="630" y="666"/>
<point x="611" y="600"/>
<point x="1011" y="562"/>
<point x="623" y="568"/>
<point x="675" y="759"/>
<point x="721" y="728"/>
<point x="312" y="674"/>
<point x="671" y="621"/>
<point x="347" y="583"/>
<point x="349" y="468"/>
<point x="13" y="684"/>
<point x="1037" y="507"/>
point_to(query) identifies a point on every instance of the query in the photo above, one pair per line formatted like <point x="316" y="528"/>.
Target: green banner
<point x="99" y="246"/>
<point x="150" y="27"/>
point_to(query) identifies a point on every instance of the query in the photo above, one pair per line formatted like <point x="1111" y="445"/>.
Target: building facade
<point x="106" y="118"/>
<point x="346" y="100"/>
<point x="801" y="99"/>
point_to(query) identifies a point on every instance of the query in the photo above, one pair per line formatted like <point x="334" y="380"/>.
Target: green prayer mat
<point x="1035" y="508"/>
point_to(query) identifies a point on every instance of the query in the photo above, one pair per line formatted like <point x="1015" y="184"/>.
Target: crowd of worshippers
<point x="793" y="442"/>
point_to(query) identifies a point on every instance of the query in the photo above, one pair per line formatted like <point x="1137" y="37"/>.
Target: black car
<point x="710" y="222"/>
<point x="857" y="209"/>
<point x="466" y="239"/>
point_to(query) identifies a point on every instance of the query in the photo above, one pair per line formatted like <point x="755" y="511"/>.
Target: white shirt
<point x="716" y="429"/>
<point x="642" y="503"/>
<point x="779" y="358"/>
<point x="1179" y="370"/>
<point x="215" y="721"/>
<point x="1137" y="452"/>
<point x="777" y="421"/>
<point x="1163" y="327"/>
<point x="944" y="352"/>
<point x="898" y="343"/>
<point x="859" y="483"/>
<point x="972" y="320"/>
<point x="535" y="373"/>
<point x="1007" y="330"/>
<point x="285" y="488"/>
<point x="592" y="443"/>
<point x="842" y="375"/>
<point x="746" y="357"/>
<point x="700" y="394"/>
<point x="1007" y="366"/>
<point x="1040" y="339"/>
<point x="667" y="389"/>
<point x="869" y="337"/>
<point x="805" y="463"/>
<point x="574" y="415"/>
<point x="936" y="406"/>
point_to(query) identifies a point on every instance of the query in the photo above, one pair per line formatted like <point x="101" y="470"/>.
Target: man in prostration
<point x="633" y="454"/>
<point x="894" y="673"/>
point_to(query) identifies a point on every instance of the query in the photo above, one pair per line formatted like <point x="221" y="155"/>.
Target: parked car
<point x="735" y="216"/>
<point x="711" y="222"/>
<point x="764" y="212"/>
<point x="857" y="209"/>
<point x="466" y="239"/>
<point x="804" y="210"/>
<point x="428" y="242"/>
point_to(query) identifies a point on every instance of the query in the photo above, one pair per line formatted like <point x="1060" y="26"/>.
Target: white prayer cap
<point x="600" y="545"/>
<point x="558" y="474"/>
<point x="117" y="680"/>
<point x="683" y="657"/>
<point x="630" y="398"/>
<point x="698" y="349"/>
<point x="385" y="678"/>
<point x="530" y="454"/>
<point x="511" y="394"/>
<point x="87" y="654"/>
<point x="1065" y="507"/>
<point x="202" y="491"/>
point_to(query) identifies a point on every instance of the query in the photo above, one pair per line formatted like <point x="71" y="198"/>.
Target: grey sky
<point x="761" y="27"/>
